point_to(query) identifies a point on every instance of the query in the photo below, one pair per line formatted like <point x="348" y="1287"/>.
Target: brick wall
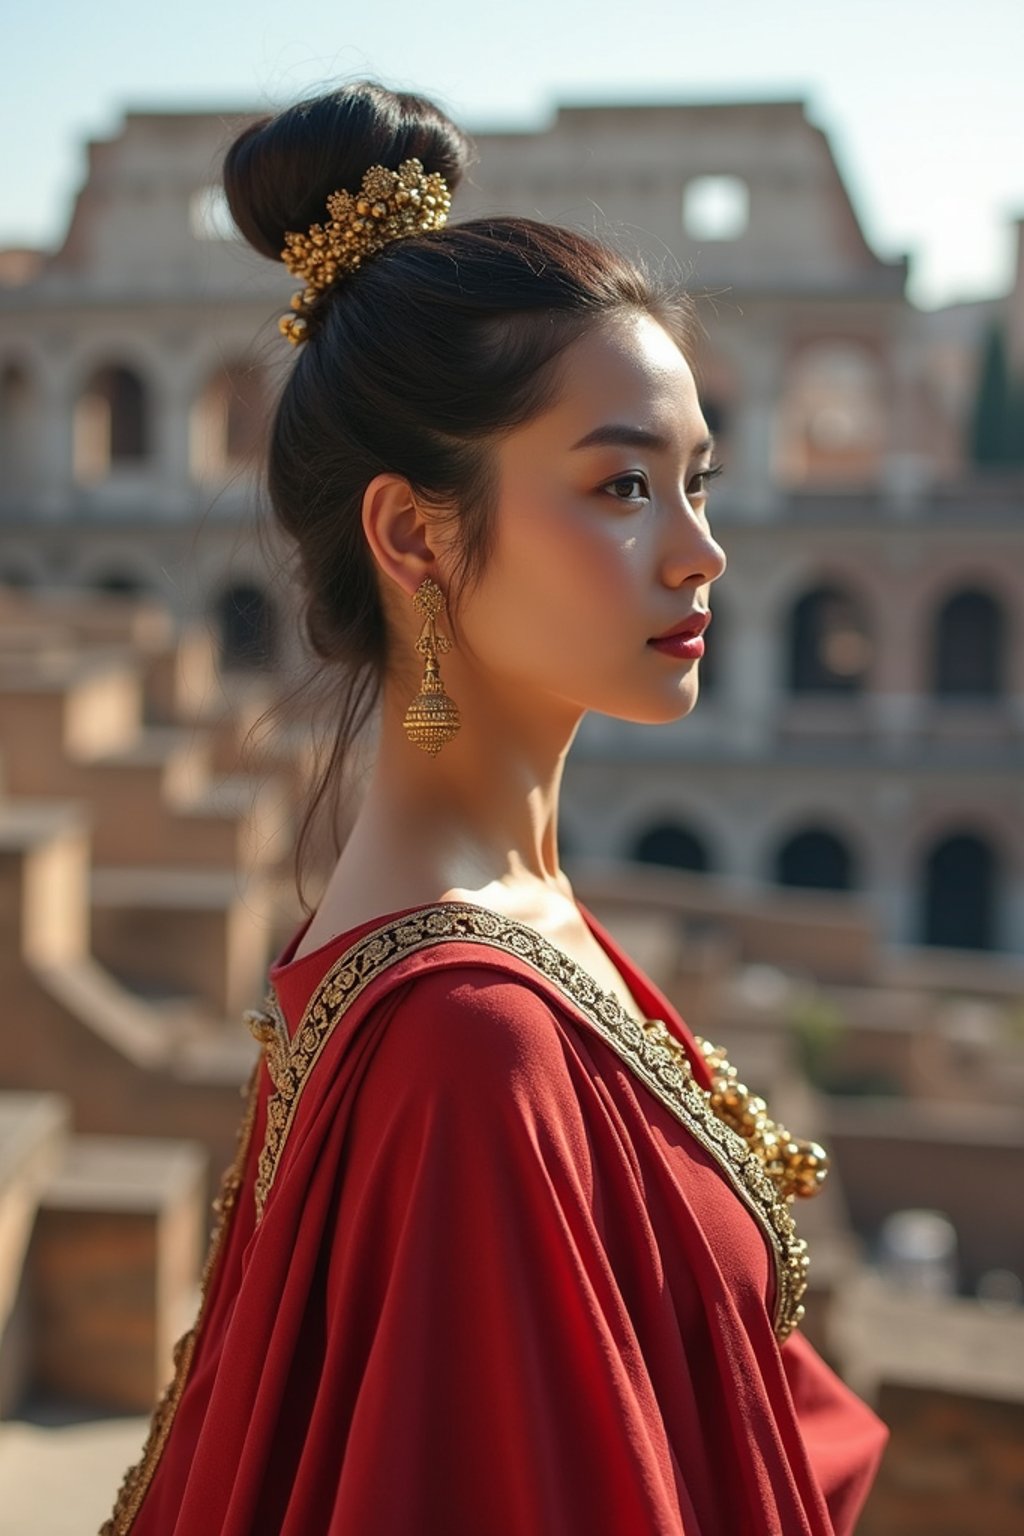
<point x="954" y="1466"/>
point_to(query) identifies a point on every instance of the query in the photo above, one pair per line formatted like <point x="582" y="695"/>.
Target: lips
<point x="683" y="641"/>
<point x="693" y="624"/>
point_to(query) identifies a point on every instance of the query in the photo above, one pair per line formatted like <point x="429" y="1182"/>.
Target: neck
<point x="484" y="811"/>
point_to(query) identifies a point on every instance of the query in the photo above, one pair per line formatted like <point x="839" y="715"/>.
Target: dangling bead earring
<point x="433" y="717"/>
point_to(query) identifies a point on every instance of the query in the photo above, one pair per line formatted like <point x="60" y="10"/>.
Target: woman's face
<point x="602" y="541"/>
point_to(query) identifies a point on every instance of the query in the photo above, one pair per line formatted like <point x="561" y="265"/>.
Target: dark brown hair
<point x="413" y="363"/>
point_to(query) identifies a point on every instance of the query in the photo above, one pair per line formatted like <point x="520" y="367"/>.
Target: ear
<point x="397" y="532"/>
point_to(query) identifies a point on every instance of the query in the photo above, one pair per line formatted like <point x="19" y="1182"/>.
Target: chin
<point x="659" y="710"/>
<point x="665" y="717"/>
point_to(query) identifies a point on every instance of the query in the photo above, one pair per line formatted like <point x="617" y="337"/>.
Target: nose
<point x="693" y="555"/>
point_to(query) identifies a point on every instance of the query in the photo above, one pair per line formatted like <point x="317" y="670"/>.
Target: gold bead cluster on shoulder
<point x="388" y="206"/>
<point x="796" y="1167"/>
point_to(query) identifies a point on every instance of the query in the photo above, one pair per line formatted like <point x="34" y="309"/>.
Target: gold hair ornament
<point x="432" y="718"/>
<point x="388" y="206"/>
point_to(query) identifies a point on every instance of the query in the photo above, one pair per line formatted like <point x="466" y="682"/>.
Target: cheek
<point x="582" y="549"/>
<point x="562" y="584"/>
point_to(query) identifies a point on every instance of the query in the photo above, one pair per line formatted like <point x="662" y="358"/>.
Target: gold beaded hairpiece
<point x="388" y="206"/>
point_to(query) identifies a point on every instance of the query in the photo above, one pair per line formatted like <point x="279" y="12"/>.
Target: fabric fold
<point x="496" y="1290"/>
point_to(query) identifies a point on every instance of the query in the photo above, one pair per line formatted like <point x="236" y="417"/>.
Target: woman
<point x="492" y="1262"/>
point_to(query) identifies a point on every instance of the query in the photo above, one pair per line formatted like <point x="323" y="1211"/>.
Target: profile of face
<point x="602" y="541"/>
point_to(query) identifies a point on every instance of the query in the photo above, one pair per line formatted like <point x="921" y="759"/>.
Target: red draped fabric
<point x="497" y="1290"/>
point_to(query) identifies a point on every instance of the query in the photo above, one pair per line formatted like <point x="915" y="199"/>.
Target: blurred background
<point x="823" y="865"/>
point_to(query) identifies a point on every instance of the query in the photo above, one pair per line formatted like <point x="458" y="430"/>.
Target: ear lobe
<point x="397" y="532"/>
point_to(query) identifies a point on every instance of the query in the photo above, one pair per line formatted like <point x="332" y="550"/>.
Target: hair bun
<point x="279" y="172"/>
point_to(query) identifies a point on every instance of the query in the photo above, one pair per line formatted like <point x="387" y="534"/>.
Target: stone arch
<point x="959" y="890"/>
<point x="720" y="389"/>
<point x="228" y="420"/>
<point x="247" y="626"/>
<point x="828" y="641"/>
<point x="113" y="422"/>
<point x="119" y="564"/>
<point x="19" y="414"/>
<point x="672" y="844"/>
<point x="716" y="414"/>
<point x="119" y="581"/>
<point x="816" y="858"/>
<point x="968" y="645"/>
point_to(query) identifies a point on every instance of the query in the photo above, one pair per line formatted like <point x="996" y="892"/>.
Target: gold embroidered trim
<point x="138" y="1477"/>
<point x="663" y="1067"/>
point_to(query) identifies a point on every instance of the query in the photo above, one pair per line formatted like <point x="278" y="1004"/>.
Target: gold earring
<point x="433" y="717"/>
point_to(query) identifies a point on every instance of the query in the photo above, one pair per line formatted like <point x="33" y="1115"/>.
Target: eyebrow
<point x="617" y="435"/>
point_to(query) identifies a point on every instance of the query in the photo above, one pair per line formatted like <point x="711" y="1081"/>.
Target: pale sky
<point x="922" y="100"/>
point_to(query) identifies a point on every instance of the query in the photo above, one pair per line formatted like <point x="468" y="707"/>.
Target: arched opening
<point x="672" y="845"/>
<point x="119" y="583"/>
<point x="228" y="421"/>
<point x="248" y="632"/>
<point x="721" y="390"/>
<point x="716" y="417"/>
<point x="112" y="427"/>
<point x="969" y="646"/>
<point x="18" y="417"/>
<point x="832" y="421"/>
<point x="959" y="897"/>
<point x="815" y="859"/>
<point x="829" y="648"/>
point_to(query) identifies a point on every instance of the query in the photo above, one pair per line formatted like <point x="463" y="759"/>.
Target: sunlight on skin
<point x="600" y="547"/>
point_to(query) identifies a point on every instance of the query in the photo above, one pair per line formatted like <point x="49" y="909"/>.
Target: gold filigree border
<point x="640" y="1044"/>
<point x="139" y="1476"/>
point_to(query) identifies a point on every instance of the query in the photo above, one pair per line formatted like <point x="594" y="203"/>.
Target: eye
<point x="629" y="481"/>
<point x="699" y="484"/>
